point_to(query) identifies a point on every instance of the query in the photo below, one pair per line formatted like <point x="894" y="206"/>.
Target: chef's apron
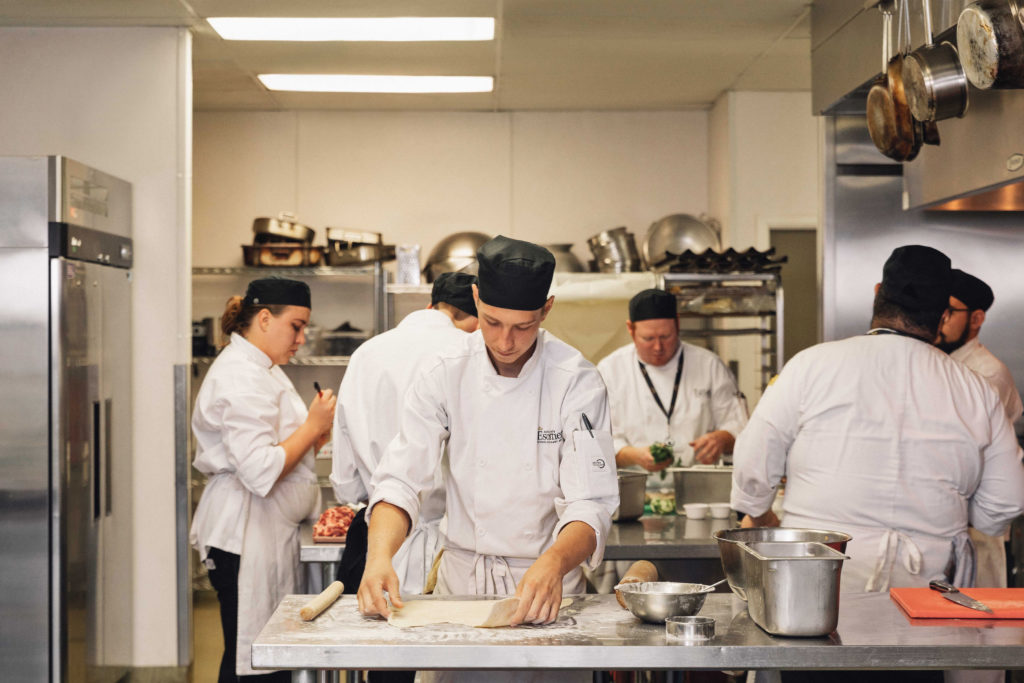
<point x="465" y="573"/>
<point x="880" y="558"/>
<point x="269" y="567"/>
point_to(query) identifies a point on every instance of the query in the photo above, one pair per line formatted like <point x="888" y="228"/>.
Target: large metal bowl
<point x="676" y="233"/>
<point x="654" y="601"/>
<point x="456" y="253"/>
<point x="731" y="551"/>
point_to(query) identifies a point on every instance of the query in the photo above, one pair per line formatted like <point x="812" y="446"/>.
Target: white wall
<point x="417" y="177"/>
<point x="120" y="100"/>
<point x="765" y="168"/>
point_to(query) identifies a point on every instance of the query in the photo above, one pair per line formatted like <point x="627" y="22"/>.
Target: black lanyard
<point x="675" y="386"/>
<point x="888" y="330"/>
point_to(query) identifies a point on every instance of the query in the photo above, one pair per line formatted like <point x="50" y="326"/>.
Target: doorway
<point x="800" y="296"/>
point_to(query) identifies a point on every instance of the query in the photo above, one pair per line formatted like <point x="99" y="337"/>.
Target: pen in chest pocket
<point x="586" y="423"/>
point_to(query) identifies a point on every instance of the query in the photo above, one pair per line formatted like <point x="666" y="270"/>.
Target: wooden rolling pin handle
<point x="321" y="602"/>
<point x="641" y="571"/>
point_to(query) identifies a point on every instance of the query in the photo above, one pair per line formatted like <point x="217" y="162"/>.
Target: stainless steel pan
<point x="284" y="228"/>
<point x="890" y="122"/>
<point x="933" y="78"/>
<point x="990" y="38"/>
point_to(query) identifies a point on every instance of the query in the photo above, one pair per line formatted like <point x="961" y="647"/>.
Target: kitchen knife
<point x="952" y="593"/>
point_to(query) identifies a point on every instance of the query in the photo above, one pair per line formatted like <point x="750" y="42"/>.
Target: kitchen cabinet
<point x="713" y="307"/>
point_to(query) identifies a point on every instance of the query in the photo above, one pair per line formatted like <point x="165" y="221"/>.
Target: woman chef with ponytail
<point x="255" y="441"/>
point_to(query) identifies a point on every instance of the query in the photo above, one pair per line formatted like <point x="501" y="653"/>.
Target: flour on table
<point x="478" y="613"/>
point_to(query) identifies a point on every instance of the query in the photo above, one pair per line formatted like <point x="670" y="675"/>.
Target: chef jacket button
<point x="529" y="466"/>
<point x="480" y="462"/>
<point x="480" y="532"/>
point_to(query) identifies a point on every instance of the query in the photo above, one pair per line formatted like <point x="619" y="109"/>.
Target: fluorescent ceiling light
<point x="354" y="29"/>
<point x="377" y="84"/>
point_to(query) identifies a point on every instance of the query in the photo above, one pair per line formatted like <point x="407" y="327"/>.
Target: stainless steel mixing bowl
<point x="455" y="253"/>
<point x="654" y="601"/>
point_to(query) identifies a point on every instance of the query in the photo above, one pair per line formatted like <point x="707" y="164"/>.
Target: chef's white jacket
<point x="708" y="399"/>
<point x="977" y="357"/>
<point x="244" y="409"/>
<point x="366" y="420"/>
<point x="520" y="465"/>
<point x="887" y="438"/>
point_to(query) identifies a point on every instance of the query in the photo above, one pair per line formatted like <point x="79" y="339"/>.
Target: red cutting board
<point x="925" y="603"/>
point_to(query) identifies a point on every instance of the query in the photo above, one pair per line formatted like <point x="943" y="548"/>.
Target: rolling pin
<point x="641" y="571"/>
<point x="322" y="601"/>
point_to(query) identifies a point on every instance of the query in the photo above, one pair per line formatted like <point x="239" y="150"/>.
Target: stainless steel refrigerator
<point x="65" y="415"/>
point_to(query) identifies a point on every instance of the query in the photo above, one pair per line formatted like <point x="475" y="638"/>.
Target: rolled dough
<point x="477" y="613"/>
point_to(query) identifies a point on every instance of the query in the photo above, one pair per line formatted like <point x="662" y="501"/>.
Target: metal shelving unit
<point x="710" y="298"/>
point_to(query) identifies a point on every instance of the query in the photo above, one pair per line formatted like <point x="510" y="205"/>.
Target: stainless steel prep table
<point x="595" y="633"/>
<point x="323" y="558"/>
<point x="665" y="537"/>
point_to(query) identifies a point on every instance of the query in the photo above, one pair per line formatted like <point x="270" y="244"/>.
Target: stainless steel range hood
<point x="979" y="164"/>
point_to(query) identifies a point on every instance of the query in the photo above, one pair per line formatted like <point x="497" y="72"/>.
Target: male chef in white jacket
<point x="969" y="302"/>
<point x="885" y="437"/>
<point x="366" y="420"/>
<point x="662" y="390"/>
<point x="530" y="478"/>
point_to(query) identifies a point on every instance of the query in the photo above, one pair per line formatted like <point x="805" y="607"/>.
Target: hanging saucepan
<point x="890" y="124"/>
<point x="934" y="81"/>
<point x="991" y="42"/>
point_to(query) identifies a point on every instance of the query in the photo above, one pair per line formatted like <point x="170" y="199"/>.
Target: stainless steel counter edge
<point x="873" y="633"/>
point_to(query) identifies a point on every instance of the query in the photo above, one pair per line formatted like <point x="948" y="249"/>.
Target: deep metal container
<point x="701" y="484"/>
<point x="632" y="487"/>
<point x="732" y="554"/>
<point x="793" y="588"/>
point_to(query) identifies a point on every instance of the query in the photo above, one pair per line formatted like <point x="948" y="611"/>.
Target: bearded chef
<point x="255" y="442"/>
<point x="666" y="391"/>
<point x="369" y="401"/>
<point x="885" y="437"/>
<point x="530" y="482"/>
<point x="968" y="305"/>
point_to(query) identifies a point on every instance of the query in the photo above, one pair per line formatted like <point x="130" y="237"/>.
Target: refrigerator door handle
<point x="107" y="451"/>
<point x="96" y="457"/>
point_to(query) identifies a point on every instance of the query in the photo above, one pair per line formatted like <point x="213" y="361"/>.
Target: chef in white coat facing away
<point x="255" y="441"/>
<point x="969" y="302"/>
<point x="663" y="390"/>
<point x="530" y="478"/>
<point x="885" y="437"/>
<point x="369" y="404"/>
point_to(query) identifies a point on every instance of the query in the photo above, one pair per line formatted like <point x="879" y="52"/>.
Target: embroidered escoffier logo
<point x="598" y="464"/>
<point x="549" y="436"/>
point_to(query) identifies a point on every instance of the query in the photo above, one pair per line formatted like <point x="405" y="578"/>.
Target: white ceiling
<point x="547" y="55"/>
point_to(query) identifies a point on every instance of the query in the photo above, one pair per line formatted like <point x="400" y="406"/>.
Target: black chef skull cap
<point x="972" y="291"/>
<point x="652" y="304"/>
<point x="514" y="274"/>
<point x="277" y="291"/>
<point x="455" y="289"/>
<point x="917" y="278"/>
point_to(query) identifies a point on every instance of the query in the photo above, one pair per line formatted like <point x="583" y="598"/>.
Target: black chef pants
<point x="224" y="578"/>
<point x="350" y="573"/>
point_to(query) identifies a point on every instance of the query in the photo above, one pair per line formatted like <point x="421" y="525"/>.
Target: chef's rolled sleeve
<point x="408" y="465"/>
<point x="249" y="438"/>
<point x="759" y="456"/>
<point x="589" y="495"/>
<point x="999" y="498"/>
<point x="345" y="478"/>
